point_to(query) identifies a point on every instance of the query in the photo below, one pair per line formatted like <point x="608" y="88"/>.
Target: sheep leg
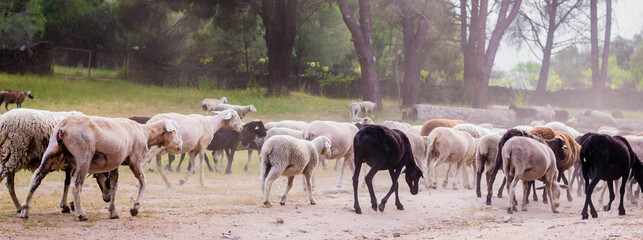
<point x="610" y="186"/>
<point x="142" y="183"/>
<point x="395" y="174"/>
<point x="548" y="186"/>
<point x="207" y="162"/>
<point x="275" y="172"/>
<point x="190" y="169"/>
<point x="348" y="161"/>
<point x="36" y="179"/>
<point x="5" y="106"/>
<point x="324" y="164"/>
<point x="230" y="155"/>
<point x="511" y="191"/>
<point x="113" y="178"/>
<point x="178" y="168"/>
<point x="63" y="201"/>
<point x="628" y="191"/>
<point x="603" y="189"/>
<point x="201" y="168"/>
<point x="337" y="165"/>
<point x="356" y="173"/>
<point x="621" y="208"/>
<point x="434" y="174"/>
<point x="446" y="179"/>
<point x="159" y="167"/>
<point x="83" y="160"/>
<point x="569" y="194"/>
<point x="245" y="169"/>
<point x="12" y="191"/>
<point x="288" y="187"/>
<point x="502" y="186"/>
<point x="479" y="171"/>
<point x="465" y="177"/>
<point x="589" y="189"/>
<point x="369" y="183"/>
<point x="308" y="174"/>
<point x="170" y="159"/>
<point x="525" y="198"/>
<point x="544" y="192"/>
<point x="458" y="168"/>
<point x="149" y="166"/>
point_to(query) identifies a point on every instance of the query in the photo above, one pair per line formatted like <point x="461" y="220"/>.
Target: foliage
<point x="636" y="61"/>
<point x="20" y="22"/>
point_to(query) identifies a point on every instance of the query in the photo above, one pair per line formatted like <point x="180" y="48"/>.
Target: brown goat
<point x="428" y="126"/>
<point x="13" y="96"/>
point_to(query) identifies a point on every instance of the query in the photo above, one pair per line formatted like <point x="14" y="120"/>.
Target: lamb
<point x="608" y="158"/>
<point x="13" y="96"/>
<point x="382" y="148"/>
<point x="523" y="114"/>
<point x="98" y="145"/>
<point x="210" y="104"/>
<point x="24" y="134"/>
<point x="559" y="126"/>
<point x="241" y="110"/>
<point x="197" y="132"/>
<point x="601" y="118"/>
<point x="475" y="130"/>
<point x="396" y="125"/>
<point x="486" y="152"/>
<point x="545" y="113"/>
<point x="229" y="140"/>
<point x="527" y="159"/>
<point x="288" y="156"/>
<point x="296" y="125"/>
<point x="171" y="157"/>
<point x="354" y="109"/>
<point x="429" y="125"/>
<point x="341" y="135"/>
<point x="453" y="147"/>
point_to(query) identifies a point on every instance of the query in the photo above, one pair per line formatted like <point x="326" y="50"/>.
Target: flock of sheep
<point x="43" y="141"/>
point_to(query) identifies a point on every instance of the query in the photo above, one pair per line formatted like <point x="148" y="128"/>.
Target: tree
<point x="363" y="41"/>
<point x="279" y="19"/>
<point x="599" y="74"/>
<point x="544" y="16"/>
<point x="20" y="22"/>
<point x="413" y="40"/>
<point x="480" y="54"/>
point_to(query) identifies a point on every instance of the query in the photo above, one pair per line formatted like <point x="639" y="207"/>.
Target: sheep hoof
<point x="606" y="208"/>
<point x="282" y="203"/>
<point x="133" y="212"/>
<point x="181" y="182"/>
<point x="555" y="211"/>
<point x="621" y="213"/>
<point x="114" y="217"/>
<point x="509" y="210"/>
<point x="569" y="198"/>
<point x="524" y="208"/>
<point x="381" y="207"/>
<point x="151" y="170"/>
<point x="358" y="210"/>
<point x="585" y="216"/>
<point x="72" y="206"/>
<point x="544" y="201"/>
<point x="595" y="215"/>
<point x="400" y="207"/>
<point x="82" y="218"/>
<point x="374" y="207"/>
<point x="267" y="204"/>
<point x="65" y="209"/>
<point x="313" y="203"/>
<point x="245" y="169"/>
<point x="455" y="188"/>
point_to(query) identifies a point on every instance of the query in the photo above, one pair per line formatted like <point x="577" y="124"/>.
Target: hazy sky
<point x="628" y="21"/>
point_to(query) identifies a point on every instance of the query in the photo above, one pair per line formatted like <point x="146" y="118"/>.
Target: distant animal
<point x="210" y="104"/>
<point x="523" y="114"/>
<point x="384" y="149"/>
<point x="429" y="125"/>
<point x="13" y="96"/>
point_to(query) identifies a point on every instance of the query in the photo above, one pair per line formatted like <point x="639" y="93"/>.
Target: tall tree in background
<point x="544" y="16"/>
<point x="279" y="19"/>
<point x="599" y="75"/>
<point x="362" y="34"/>
<point x="482" y="54"/>
<point x="414" y="29"/>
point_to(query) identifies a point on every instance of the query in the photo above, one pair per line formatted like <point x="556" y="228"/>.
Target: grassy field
<point x="119" y="98"/>
<point x="82" y="71"/>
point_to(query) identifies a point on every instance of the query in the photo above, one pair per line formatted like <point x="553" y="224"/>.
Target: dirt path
<point x="230" y="208"/>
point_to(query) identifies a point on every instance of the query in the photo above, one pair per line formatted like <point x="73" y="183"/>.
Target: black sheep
<point x="523" y="114"/>
<point x="229" y="141"/>
<point x="384" y="149"/>
<point x="608" y="158"/>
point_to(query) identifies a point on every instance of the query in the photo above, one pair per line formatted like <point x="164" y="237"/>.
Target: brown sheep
<point x="572" y="156"/>
<point x="428" y="126"/>
<point x="544" y="132"/>
<point x="13" y="96"/>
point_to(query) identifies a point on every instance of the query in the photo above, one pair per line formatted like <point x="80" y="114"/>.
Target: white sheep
<point x="486" y="152"/>
<point x="559" y="126"/>
<point x="24" y="136"/>
<point x="546" y="113"/>
<point x="241" y="110"/>
<point x="415" y="129"/>
<point x="486" y="125"/>
<point x="210" y="104"/>
<point x="475" y="130"/>
<point x="288" y="156"/>
<point x="292" y="124"/>
<point x="523" y="128"/>
<point x="419" y="148"/>
<point x="608" y="130"/>
<point x="601" y="118"/>
<point x="341" y="135"/>
<point x="447" y="145"/>
<point x="354" y="109"/>
<point x="397" y="125"/>
<point x="367" y="106"/>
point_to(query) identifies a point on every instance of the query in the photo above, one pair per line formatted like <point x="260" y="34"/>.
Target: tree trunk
<point x="413" y="41"/>
<point x="541" y="87"/>
<point x="279" y="20"/>
<point x="363" y="41"/>
<point x="468" y="49"/>
<point x="596" y="82"/>
<point x="606" y="42"/>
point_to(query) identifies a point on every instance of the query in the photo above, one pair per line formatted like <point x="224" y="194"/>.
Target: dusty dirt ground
<point x="230" y="208"/>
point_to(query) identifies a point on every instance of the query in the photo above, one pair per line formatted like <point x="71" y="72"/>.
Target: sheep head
<point x="171" y="137"/>
<point x="232" y="120"/>
<point x="412" y="177"/>
<point x="29" y="95"/>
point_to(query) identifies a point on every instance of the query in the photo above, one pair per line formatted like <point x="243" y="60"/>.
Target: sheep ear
<point x="252" y="108"/>
<point x="228" y="116"/>
<point x="169" y="126"/>
<point x="326" y="144"/>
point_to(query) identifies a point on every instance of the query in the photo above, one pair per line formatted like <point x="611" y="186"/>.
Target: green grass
<point x="82" y="71"/>
<point x="120" y="98"/>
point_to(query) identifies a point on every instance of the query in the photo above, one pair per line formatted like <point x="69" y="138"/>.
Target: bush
<point x="336" y="85"/>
